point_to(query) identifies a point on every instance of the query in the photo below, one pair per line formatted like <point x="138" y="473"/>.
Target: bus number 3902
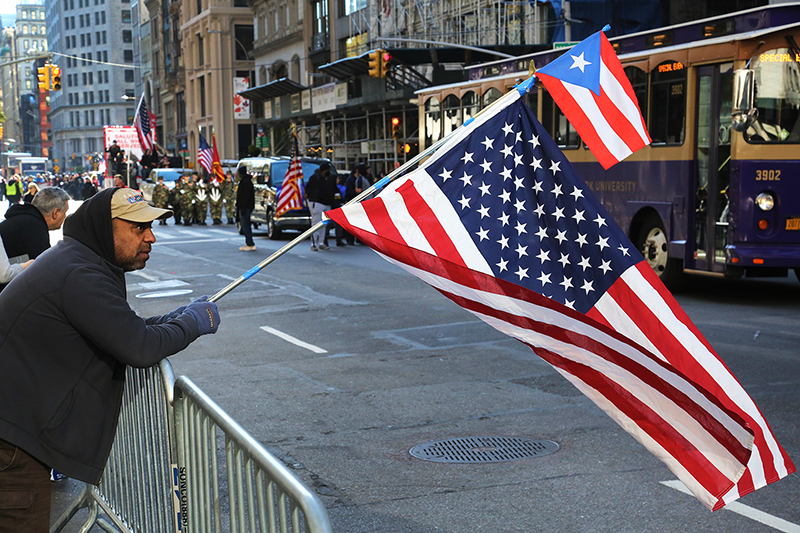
<point x="768" y="175"/>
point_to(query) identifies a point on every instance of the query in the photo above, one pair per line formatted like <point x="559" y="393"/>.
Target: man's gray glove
<point x="205" y="313"/>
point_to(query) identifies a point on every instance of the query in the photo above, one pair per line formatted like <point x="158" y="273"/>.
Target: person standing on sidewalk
<point x="60" y="393"/>
<point x="321" y="192"/>
<point x="245" y="203"/>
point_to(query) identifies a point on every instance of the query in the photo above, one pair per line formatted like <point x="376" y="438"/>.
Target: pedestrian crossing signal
<point x="43" y="73"/>
<point x="375" y="63"/>
<point x="55" y="78"/>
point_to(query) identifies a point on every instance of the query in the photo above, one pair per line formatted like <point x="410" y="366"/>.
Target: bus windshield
<point x="777" y="97"/>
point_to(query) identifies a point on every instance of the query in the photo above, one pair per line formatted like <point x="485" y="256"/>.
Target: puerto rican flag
<point x="590" y="87"/>
<point x="498" y="221"/>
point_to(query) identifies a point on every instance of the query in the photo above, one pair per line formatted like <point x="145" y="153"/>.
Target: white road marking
<point x="145" y="276"/>
<point x="160" y="235"/>
<point x="192" y="233"/>
<point x="745" y="510"/>
<point x="293" y="340"/>
<point x="223" y="231"/>
<point x="195" y="241"/>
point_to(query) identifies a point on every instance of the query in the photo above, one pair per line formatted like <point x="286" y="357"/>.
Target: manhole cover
<point x="483" y="449"/>
<point x="164" y="294"/>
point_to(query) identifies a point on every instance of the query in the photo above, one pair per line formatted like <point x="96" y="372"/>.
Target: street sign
<point x="563" y="44"/>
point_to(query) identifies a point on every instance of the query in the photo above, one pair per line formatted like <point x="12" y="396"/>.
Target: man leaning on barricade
<point x="67" y="334"/>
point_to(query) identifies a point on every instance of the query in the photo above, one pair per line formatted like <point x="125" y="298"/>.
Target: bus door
<point x="713" y="160"/>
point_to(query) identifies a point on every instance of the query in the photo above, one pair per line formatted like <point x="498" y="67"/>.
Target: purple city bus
<point x="718" y="190"/>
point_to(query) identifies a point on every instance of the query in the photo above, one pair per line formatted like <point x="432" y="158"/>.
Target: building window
<point x="244" y="34"/>
<point x="127" y="55"/>
<point x="127" y="36"/>
<point x="202" y="85"/>
<point x="128" y="75"/>
<point x="201" y="55"/>
<point x="126" y="16"/>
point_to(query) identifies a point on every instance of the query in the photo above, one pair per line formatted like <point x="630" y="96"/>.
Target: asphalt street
<point x="339" y="363"/>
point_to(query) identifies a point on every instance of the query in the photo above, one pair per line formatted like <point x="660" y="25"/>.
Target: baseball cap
<point x="130" y="205"/>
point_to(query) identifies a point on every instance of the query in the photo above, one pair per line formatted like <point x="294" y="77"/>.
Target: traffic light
<point x="396" y="127"/>
<point x="55" y="78"/>
<point x="375" y="64"/>
<point x="43" y="73"/>
<point x="386" y="57"/>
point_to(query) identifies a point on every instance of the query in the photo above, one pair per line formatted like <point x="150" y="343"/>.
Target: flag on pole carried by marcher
<point x="205" y="156"/>
<point x="144" y="124"/>
<point x="291" y="193"/>
<point x="216" y="165"/>
<point x="590" y="87"/>
<point x="498" y="221"/>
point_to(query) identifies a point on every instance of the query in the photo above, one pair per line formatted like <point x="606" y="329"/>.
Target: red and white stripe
<point x="291" y="197"/>
<point x="646" y="366"/>
<point x="610" y="123"/>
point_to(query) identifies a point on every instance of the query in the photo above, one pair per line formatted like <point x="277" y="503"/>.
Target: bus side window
<point x="638" y="79"/>
<point x="667" y="123"/>
<point x="557" y="125"/>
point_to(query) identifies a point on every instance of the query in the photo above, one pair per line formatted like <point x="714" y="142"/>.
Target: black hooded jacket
<point x="67" y="334"/>
<point x="24" y="231"/>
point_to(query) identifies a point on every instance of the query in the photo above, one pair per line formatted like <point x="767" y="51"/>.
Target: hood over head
<point x="91" y="225"/>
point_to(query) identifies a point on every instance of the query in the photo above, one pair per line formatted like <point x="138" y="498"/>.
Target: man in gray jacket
<point x="67" y="334"/>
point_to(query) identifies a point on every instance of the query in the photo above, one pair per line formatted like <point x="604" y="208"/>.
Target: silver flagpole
<point x="522" y="87"/>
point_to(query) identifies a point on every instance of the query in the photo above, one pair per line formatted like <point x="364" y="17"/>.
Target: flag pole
<point x="522" y="88"/>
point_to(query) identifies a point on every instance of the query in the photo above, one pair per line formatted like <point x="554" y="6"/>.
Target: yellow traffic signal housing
<point x="43" y="73"/>
<point x="395" y="128"/>
<point x="386" y="57"/>
<point x="375" y="63"/>
<point x="55" y="78"/>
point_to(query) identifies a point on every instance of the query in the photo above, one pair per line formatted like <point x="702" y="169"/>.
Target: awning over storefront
<point x="348" y="67"/>
<point x="351" y="67"/>
<point x="273" y="89"/>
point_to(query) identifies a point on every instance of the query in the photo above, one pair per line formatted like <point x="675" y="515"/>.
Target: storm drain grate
<point x="483" y="449"/>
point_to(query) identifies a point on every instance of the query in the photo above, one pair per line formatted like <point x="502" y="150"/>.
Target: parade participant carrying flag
<point x="291" y="194"/>
<point x="216" y="166"/>
<point x="590" y="86"/>
<point x="145" y="126"/>
<point x="498" y="221"/>
<point x="205" y="156"/>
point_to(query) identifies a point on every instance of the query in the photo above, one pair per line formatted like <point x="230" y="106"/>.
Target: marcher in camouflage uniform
<point x="201" y="199"/>
<point x="216" y="201"/>
<point x="229" y="196"/>
<point x="161" y="197"/>
<point x="174" y="200"/>
<point x="187" y="201"/>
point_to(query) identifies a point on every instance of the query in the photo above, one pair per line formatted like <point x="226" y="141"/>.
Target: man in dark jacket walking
<point x="245" y="203"/>
<point x="320" y="192"/>
<point x="25" y="231"/>
<point x="61" y="392"/>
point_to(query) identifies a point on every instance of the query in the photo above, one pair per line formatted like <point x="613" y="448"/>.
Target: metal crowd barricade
<point x="163" y="474"/>
<point x="258" y="492"/>
<point x="135" y="492"/>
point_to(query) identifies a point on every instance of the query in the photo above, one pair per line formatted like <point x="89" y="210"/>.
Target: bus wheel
<point x="654" y="246"/>
<point x="272" y="231"/>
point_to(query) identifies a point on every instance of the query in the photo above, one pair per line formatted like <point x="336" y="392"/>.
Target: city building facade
<point x="92" y="42"/>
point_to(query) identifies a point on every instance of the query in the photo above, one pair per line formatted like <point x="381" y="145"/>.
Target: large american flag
<point x="589" y="85"/>
<point x="290" y="196"/>
<point x="205" y="155"/>
<point x="498" y="221"/>
<point x="144" y="123"/>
